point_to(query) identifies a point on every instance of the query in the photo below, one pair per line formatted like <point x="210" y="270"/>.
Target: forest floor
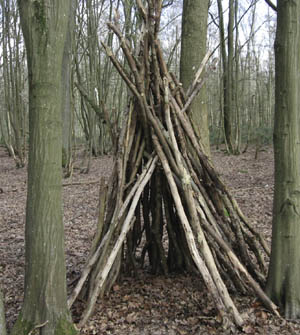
<point x="156" y="305"/>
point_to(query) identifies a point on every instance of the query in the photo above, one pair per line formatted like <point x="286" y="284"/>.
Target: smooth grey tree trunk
<point x="193" y="50"/>
<point x="44" y="24"/>
<point x="284" y="272"/>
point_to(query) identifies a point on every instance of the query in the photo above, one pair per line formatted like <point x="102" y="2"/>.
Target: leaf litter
<point x="146" y="304"/>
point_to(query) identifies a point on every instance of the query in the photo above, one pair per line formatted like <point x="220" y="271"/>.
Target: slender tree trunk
<point x="2" y="315"/>
<point x="67" y="114"/>
<point x="229" y="91"/>
<point x="13" y="80"/>
<point x="228" y="72"/>
<point x="235" y="86"/>
<point x="284" y="272"/>
<point x="226" y="115"/>
<point x="44" y="25"/>
<point x="193" y="50"/>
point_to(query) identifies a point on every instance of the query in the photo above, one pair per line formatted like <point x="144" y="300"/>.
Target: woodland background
<point x="96" y="104"/>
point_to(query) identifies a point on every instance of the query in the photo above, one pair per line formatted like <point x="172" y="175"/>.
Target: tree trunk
<point x="228" y="122"/>
<point x="227" y="61"/>
<point x="13" y="81"/>
<point x="2" y="315"/>
<point x="44" y="25"/>
<point x="193" y="50"/>
<point x="284" y="271"/>
<point x="67" y="114"/>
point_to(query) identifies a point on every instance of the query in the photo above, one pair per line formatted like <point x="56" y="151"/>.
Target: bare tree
<point x="193" y="50"/>
<point x="44" y="25"/>
<point x="284" y="271"/>
<point x="13" y="119"/>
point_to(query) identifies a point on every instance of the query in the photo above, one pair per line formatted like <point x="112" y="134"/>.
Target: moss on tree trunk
<point x="62" y="327"/>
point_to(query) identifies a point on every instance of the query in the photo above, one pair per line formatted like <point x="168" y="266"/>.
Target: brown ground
<point x="147" y="304"/>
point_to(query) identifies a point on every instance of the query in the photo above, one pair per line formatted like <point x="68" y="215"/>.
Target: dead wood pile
<point x="165" y="202"/>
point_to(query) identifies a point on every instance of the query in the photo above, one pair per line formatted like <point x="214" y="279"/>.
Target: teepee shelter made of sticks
<point x="164" y="201"/>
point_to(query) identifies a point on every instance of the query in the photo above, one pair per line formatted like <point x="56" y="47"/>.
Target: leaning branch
<point x="270" y="3"/>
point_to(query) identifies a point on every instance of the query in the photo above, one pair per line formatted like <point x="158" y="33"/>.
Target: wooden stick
<point x="210" y="283"/>
<point x="237" y="264"/>
<point x="102" y="275"/>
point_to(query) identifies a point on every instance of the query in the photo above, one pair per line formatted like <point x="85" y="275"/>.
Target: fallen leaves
<point x="147" y="305"/>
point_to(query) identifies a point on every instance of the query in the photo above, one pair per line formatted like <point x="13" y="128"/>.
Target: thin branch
<point x="270" y="3"/>
<point x="101" y="277"/>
